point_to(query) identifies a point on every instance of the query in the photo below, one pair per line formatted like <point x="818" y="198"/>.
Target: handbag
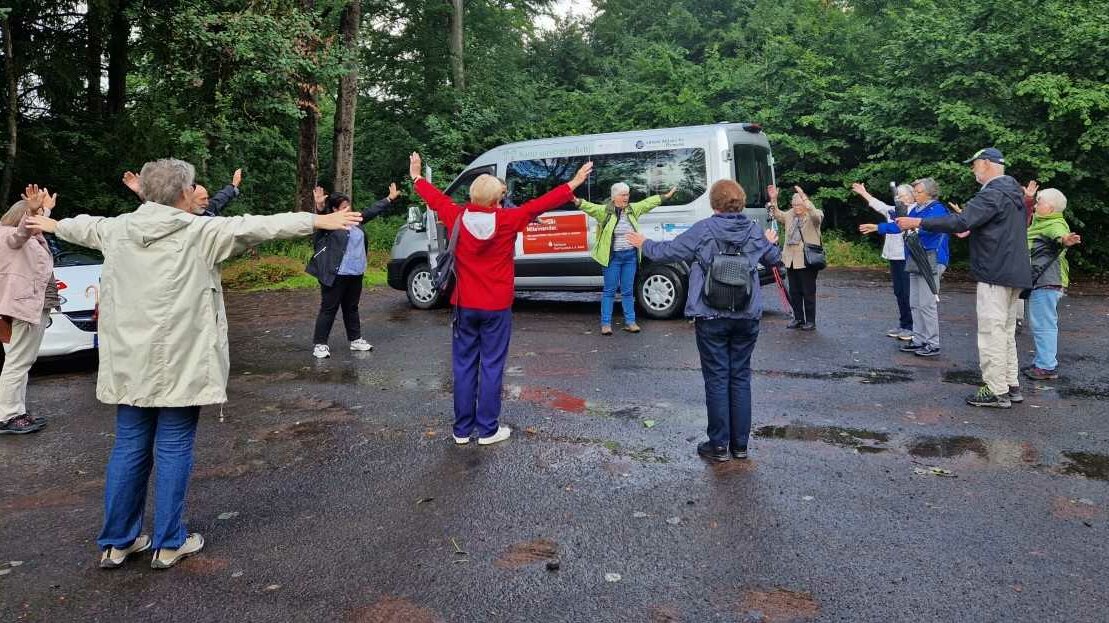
<point x="813" y="254"/>
<point x="443" y="275"/>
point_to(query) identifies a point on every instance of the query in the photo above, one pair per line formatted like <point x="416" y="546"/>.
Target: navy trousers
<point x="726" y="345"/>
<point x="479" y="351"/>
<point x="900" y="280"/>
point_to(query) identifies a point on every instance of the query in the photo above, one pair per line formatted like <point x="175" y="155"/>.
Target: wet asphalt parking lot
<point x="331" y="491"/>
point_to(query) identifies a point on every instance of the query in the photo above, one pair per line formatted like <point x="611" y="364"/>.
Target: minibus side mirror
<point x="415" y="218"/>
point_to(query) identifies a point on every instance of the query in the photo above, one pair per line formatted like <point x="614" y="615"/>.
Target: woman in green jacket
<point x="615" y="219"/>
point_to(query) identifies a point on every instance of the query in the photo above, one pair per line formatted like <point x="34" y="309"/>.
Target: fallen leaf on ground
<point x="423" y="501"/>
<point x="648" y="423"/>
<point x="673" y="521"/>
<point x="228" y="515"/>
<point x="612" y="577"/>
<point x="639" y="514"/>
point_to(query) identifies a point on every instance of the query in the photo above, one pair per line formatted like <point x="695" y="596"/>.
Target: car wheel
<point x="661" y="292"/>
<point x="420" y="288"/>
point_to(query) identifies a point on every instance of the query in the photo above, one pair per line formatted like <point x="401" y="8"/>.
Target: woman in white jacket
<point x="163" y="344"/>
<point x="893" y="250"/>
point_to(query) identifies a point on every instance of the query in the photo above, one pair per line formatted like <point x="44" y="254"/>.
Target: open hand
<point x="237" y="178"/>
<point x="34" y="197"/>
<point x="339" y="219"/>
<point x="772" y="192"/>
<point x="581" y="175"/>
<point x="859" y="189"/>
<point x="1071" y="239"/>
<point x="635" y="239"/>
<point x="868" y="228"/>
<point x="39" y="224"/>
<point x="393" y="191"/>
<point x="319" y="195"/>
<point x="671" y="193"/>
<point x="415" y="165"/>
<point x="771" y="235"/>
<point x="955" y="207"/>
<point x="1031" y="188"/>
<point x="134" y="182"/>
<point x="48" y="201"/>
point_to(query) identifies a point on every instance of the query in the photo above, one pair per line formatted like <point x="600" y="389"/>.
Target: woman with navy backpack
<point x="338" y="262"/>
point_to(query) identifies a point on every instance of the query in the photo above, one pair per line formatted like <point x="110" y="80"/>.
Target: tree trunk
<point x="11" y="72"/>
<point x="118" y="64"/>
<point x="94" y="50"/>
<point x="343" y="154"/>
<point x="458" y="74"/>
<point x="308" y="167"/>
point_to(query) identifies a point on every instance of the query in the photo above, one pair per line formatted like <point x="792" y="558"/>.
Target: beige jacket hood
<point x="162" y="323"/>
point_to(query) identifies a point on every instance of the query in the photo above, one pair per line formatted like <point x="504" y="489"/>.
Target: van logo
<point x="639" y="144"/>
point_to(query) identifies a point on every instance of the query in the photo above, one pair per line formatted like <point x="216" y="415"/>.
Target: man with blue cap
<point x="999" y="262"/>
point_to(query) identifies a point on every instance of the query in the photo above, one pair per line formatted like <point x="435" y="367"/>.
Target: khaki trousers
<point x="997" y="343"/>
<point x="19" y="355"/>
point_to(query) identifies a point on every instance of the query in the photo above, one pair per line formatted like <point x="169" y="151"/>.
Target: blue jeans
<point x="146" y="437"/>
<point x="479" y="351"/>
<point x="1044" y="315"/>
<point x="620" y="272"/>
<point x="725" y="345"/>
<point x="900" y="280"/>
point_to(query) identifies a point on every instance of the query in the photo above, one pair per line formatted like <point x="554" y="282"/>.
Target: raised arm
<point x="223" y="238"/>
<point x="639" y="208"/>
<point x="680" y="249"/>
<point x="219" y="201"/>
<point x="595" y="210"/>
<point x="976" y="213"/>
<point x="559" y="195"/>
<point x="382" y="205"/>
<point x="437" y="202"/>
<point x="775" y="213"/>
<point x="84" y="230"/>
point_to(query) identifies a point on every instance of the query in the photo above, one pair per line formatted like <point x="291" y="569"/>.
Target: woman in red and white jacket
<point x="485" y="273"/>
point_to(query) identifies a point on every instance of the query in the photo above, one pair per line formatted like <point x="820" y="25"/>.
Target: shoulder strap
<point x="454" y="232"/>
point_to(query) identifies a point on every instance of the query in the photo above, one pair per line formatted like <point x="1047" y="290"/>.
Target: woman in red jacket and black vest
<point x="485" y="273"/>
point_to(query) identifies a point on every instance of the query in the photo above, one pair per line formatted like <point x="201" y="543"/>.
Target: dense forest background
<point x="293" y="91"/>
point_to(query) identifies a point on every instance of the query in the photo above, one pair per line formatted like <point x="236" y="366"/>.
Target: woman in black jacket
<point x="338" y="262"/>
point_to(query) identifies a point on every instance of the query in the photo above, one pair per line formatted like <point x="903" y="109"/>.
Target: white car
<point x="73" y="329"/>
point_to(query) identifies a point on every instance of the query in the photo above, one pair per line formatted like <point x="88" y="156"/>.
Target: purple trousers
<point x="479" y="350"/>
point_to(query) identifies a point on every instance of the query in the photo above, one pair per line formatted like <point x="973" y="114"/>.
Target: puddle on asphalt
<point x="947" y="447"/>
<point x="1094" y="392"/>
<point x="962" y="377"/>
<point x="869" y="376"/>
<point x="862" y="440"/>
<point x="1087" y="464"/>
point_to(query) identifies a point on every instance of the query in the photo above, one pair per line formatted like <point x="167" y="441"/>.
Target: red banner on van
<point x="556" y="234"/>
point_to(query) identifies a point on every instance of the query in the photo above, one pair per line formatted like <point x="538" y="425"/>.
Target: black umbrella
<point x="920" y="256"/>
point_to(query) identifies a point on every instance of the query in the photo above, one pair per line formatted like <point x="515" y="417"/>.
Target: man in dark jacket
<point x="999" y="261"/>
<point x="204" y="206"/>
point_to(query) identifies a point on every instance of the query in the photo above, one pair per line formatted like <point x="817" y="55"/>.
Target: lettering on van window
<point x="646" y="172"/>
<point x="561" y="233"/>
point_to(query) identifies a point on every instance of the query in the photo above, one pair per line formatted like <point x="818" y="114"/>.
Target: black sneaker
<point x="986" y="398"/>
<point x="711" y="452"/>
<point x="21" y="425"/>
<point x="911" y="347"/>
<point x="1014" y="394"/>
<point x="794" y="324"/>
<point x="808" y="326"/>
<point x="927" y="351"/>
<point x="738" y="452"/>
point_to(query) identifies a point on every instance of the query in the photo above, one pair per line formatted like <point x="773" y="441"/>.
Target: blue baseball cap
<point x="992" y="154"/>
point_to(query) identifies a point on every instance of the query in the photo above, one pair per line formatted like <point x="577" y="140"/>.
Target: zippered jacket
<point x="607" y="218"/>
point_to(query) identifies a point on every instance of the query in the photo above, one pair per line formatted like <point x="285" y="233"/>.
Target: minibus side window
<point x="752" y="171"/>
<point x="459" y="191"/>
<point x="646" y="172"/>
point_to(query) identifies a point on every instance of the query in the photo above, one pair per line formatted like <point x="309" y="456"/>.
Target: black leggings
<point x="802" y="294"/>
<point x="344" y="292"/>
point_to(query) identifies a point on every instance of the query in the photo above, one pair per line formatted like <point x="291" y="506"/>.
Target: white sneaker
<point x="112" y="557"/>
<point x="461" y="440"/>
<point x="503" y="432"/>
<point x="361" y="344"/>
<point x="166" y="558"/>
<point x="321" y="351"/>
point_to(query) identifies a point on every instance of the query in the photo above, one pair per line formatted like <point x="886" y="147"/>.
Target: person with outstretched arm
<point x="202" y="204"/>
<point x="163" y="344"/>
<point x="485" y="275"/>
<point x="999" y="262"/>
<point x="725" y="337"/>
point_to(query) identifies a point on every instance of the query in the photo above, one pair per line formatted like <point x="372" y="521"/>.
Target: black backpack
<point x="443" y="273"/>
<point x="728" y="282"/>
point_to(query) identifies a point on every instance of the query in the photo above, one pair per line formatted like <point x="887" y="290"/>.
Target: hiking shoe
<point x="1014" y="394"/>
<point x="460" y="440"/>
<point x="808" y="326"/>
<point x="361" y="344"/>
<point x="632" y="328"/>
<point x="894" y="332"/>
<point x="911" y="347"/>
<point x="927" y="351"/>
<point x="606" y="330"/>
<point x="708" y="451"/>
<point x="986" y="398"/>
<point x="503" y="432"/>
<point x="112" y="558"/>
<point x="166" y="558"/>
<point x="794" y="324"/>
<point x="738" y="452"/>
<point x="1039" y="374"/>
<point x="321" y="351"/>
<point x="905" y="334"/>
<point x="21" y="425"/>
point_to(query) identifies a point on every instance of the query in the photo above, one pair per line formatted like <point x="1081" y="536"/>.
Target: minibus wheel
<point x="661" y="292"/>
<point x="420" y="289"/>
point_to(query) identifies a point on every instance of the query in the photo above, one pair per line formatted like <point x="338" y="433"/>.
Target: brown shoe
<point x="632" y="328"/>
<point x="606" y="330"/>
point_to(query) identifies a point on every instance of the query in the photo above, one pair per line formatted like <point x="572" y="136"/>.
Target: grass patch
<point x="843" y="252"/>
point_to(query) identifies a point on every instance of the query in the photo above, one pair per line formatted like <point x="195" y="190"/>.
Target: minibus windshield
<point x="752" y="171"/>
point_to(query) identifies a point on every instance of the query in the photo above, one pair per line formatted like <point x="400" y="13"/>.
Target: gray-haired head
<point x="929" y="186"/>
<point x="1054" y="198"/>
<point x="165" y="180"/>
<point x="904" y="194"/>
<point x="619" y="188"/>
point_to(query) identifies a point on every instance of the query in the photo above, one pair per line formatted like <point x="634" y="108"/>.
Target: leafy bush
<point x="843" y="252"/>
<point x="248" y="274"/>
